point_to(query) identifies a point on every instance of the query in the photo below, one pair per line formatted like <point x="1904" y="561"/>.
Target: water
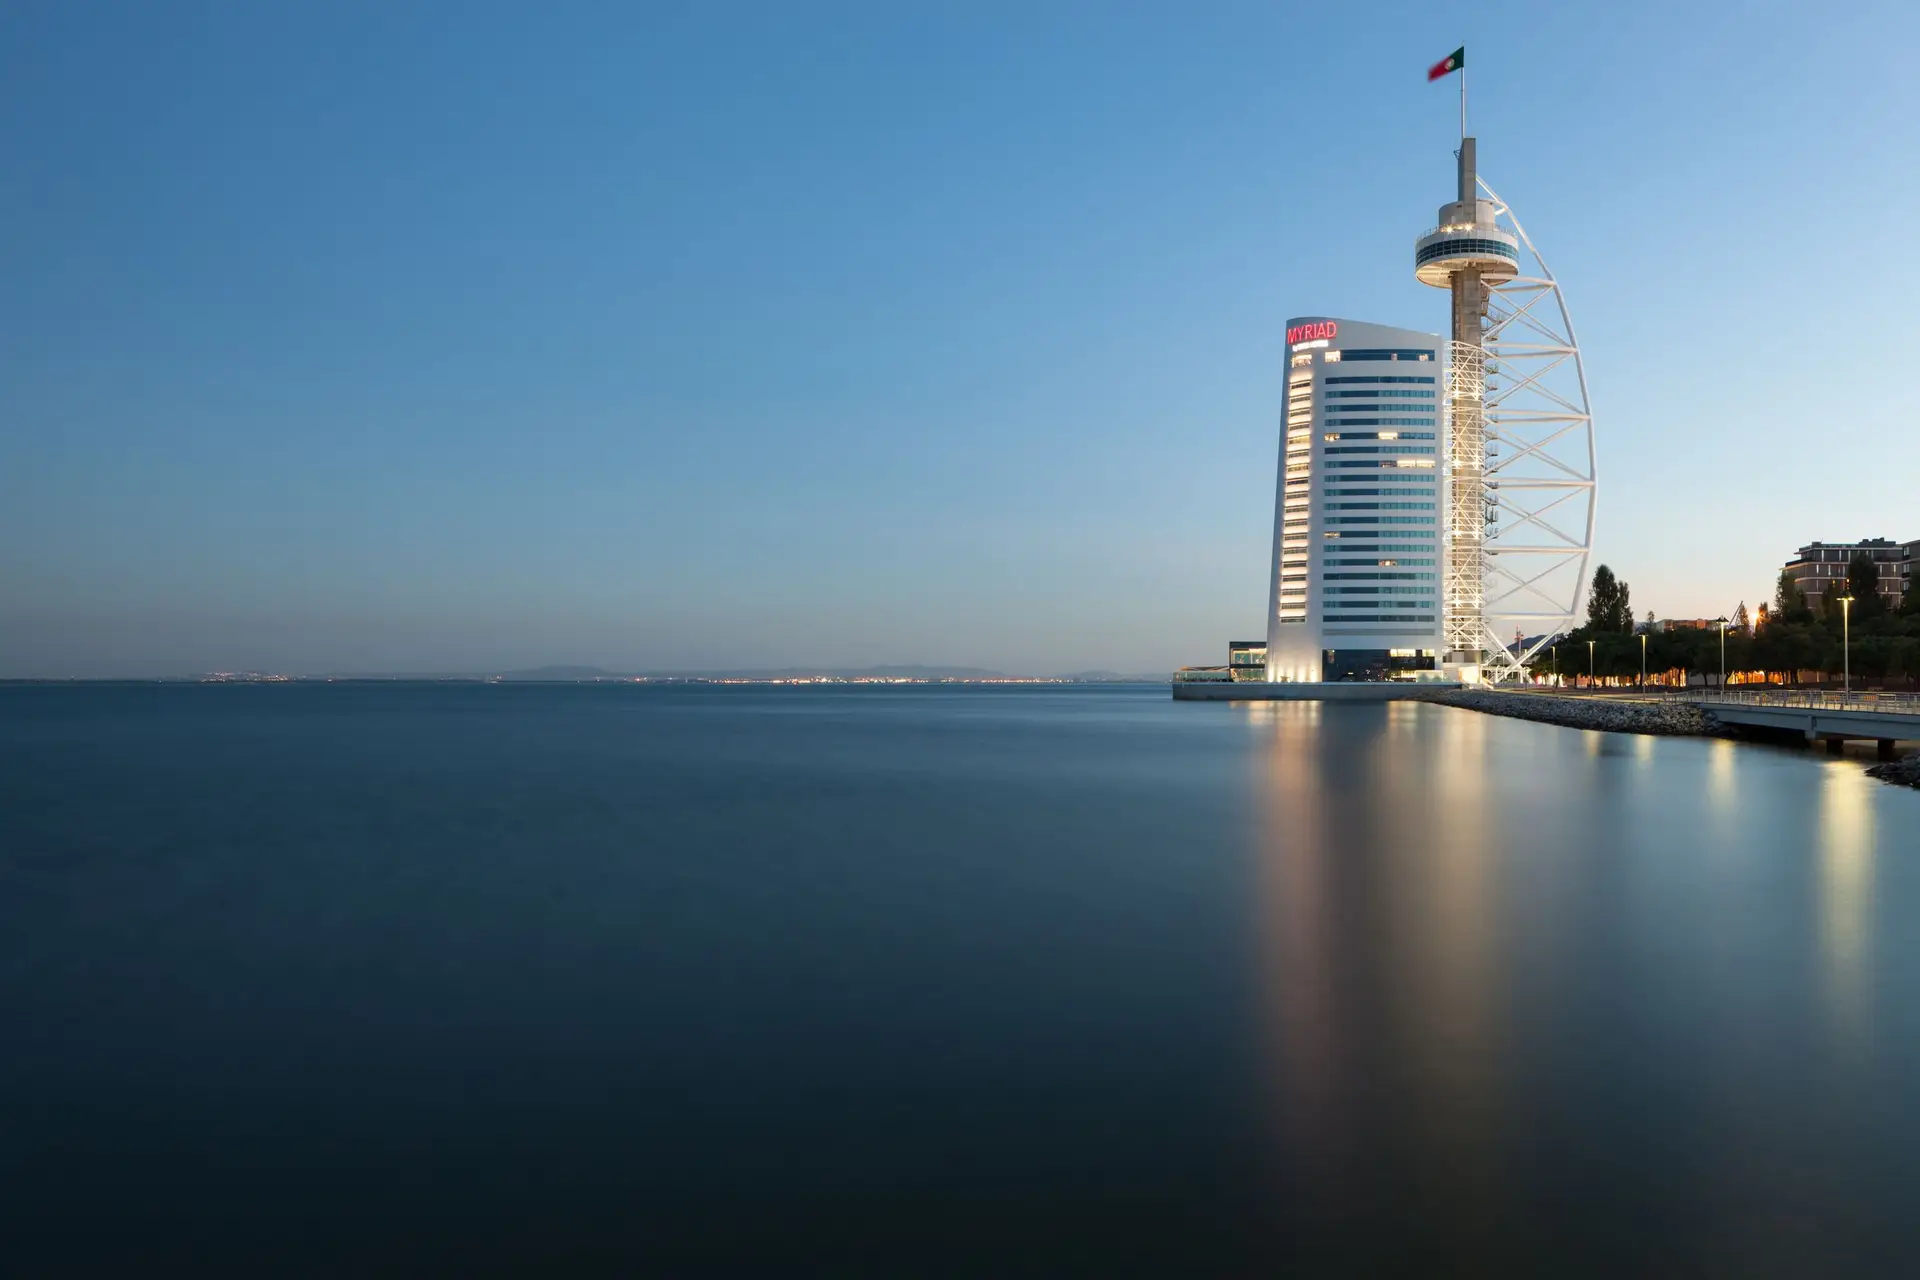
<point x="772" y="981"/>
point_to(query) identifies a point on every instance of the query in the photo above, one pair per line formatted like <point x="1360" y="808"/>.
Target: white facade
<point x="1358" y="551"/>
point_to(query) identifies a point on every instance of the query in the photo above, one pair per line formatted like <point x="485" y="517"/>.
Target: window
<point x="1381" y="448"/>
<point x="1382" y="393"/>
<point x="1379" y="506"/>
<point x="1389" y="353"/>
<point x="1383" y="422"/>
<point x="1378" y="520"/>
<point x="1374" y="381"/>
<point x="1391" y="493"/>
<point x="1464" y="249"/>
<point x="1401" y="576"/>
<point x="1377" y="435"/>
<point x="1378" y="617"/>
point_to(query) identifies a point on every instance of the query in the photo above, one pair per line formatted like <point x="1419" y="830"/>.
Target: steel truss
<point x="1541" y="479"/>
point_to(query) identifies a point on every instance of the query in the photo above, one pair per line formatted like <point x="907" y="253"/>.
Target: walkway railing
<point x="1822" y="700"/>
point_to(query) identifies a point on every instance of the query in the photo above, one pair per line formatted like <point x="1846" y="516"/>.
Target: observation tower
<point x="1521" y="479"/>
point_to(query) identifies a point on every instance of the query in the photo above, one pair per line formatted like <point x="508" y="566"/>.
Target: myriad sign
<point x="1309" y="332"/>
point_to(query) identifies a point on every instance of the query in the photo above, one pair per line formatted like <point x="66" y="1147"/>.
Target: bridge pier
<point x="1836" y="746"/>
<point x="1883" y="748"/>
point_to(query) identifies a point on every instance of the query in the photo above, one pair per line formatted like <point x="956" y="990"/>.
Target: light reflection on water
<point x="1846" y="853"/>
<point x="1074" y="981"/>
<point x="1511" y="965"/>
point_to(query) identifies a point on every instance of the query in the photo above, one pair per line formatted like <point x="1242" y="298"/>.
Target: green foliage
<point x="1910" y="603"/>
<point x="1789" y="602"/>
<point x="1609" y="607"/>
<point x="1863" y="584"/>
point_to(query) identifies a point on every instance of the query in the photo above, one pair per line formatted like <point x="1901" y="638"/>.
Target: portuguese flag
<point x="1447" y="65"/>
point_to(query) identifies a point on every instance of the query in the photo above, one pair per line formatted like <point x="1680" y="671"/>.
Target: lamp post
<point x="1555" y="650"/>
<point x="1643" y="662"/>
<point x="1723" y="653"/>
<point x="1846" y="656"/>
<point x="1589" y="664"/>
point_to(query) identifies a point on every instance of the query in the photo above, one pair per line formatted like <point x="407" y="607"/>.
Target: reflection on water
<point x="1511" y="966"/>
<point x="1846" y="899"/>
<point x="748" y="981"/>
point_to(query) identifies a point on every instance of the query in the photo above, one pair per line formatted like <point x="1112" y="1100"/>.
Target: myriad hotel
<point x="1356" y="526"/>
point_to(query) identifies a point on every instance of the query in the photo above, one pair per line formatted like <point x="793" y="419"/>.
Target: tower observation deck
<point x="1518" y="523"/>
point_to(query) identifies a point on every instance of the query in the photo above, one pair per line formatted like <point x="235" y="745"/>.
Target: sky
<point x="456" y="337"/>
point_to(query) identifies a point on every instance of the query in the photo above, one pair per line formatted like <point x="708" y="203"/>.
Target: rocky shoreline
<point x="1904" y="772"/>
<point x="1674" y="719"/>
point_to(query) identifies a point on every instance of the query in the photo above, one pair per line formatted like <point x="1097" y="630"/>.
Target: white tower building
<point x="1521" y="473"/>
<point x="1466" y="253"/>
<point x="1357" y="549"/>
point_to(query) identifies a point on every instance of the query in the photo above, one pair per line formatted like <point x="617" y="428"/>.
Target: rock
<point x="1583" y="713"/>
<point x="1903" y="772"/>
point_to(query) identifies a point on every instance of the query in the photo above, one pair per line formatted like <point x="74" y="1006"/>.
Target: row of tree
<point x="1789" y="642"/>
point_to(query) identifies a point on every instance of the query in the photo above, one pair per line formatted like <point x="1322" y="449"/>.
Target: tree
<point x="1603" y="598"/>
<point x="1863" y="584"/>
<point x="1910" y="603"/>
<point x="1789" y="601"/>
<point x="1741" y="622"/>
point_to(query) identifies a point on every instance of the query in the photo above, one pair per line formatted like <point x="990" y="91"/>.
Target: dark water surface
<point x="353" y="979"/>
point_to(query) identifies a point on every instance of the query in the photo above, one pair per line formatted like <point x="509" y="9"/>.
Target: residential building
<point x="1819" y="566"/>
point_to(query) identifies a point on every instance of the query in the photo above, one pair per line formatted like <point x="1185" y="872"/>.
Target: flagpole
<point x="1463" y="102"/>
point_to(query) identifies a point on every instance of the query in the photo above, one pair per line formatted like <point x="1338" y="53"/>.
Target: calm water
<point x="1041" y="981"/>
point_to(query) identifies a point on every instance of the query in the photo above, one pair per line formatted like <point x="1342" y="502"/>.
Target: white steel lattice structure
<point x="1541" y="475"/>
<point x="1521" y="474"/>
<point x="1463" y="586"/>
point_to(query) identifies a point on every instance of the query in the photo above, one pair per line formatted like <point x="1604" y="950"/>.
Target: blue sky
<point x="460" y="337"/>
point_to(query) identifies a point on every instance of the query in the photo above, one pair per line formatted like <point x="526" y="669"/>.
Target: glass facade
<point x="1464" y="249"/>
<point x="1377" y="431"/>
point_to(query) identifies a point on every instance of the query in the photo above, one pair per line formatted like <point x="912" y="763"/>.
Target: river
<point x="1069" y="980"/>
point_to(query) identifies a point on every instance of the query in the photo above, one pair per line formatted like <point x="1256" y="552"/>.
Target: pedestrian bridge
<point x="1885" y="718"/>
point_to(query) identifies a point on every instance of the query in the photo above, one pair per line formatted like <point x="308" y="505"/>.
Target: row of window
<point x="1375" y="435"/>
<point x="1381" y="448"/>
<point x="1380" y="422"/>
<point x="1371" y="409"/>
<point x="1344" y="576"/>
<point x="1379" y="353"/>
<point x="1378" y="520"/>
<point x="1379" y="506"/>
<point x="1383" y="393"/>
<point x="1388" y="462"/>
<point x="1374" y="548"/>
<point x="1385" y="564"/>
<point x="1377" y="493"/>
<point x="1378" y="617"/>
<point x="1375" y="591"/>
<point x="1367" y="382"/>
<point x="1461" y="248"/>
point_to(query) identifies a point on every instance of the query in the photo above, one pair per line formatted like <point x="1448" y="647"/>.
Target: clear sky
<point x="461" y="337"/>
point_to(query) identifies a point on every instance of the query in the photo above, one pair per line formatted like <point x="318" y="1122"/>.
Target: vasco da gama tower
<point x="1434" y="505"/>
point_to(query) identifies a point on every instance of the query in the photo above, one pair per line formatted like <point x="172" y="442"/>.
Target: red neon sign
<point x="1309" y="332"/>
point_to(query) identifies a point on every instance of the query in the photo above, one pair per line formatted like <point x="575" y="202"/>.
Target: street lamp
<point x="1643" y="662"/>
<point x="1846" y="657"/>
<point x="1589" y="664"/>
<point x="1723" y="653"/>
<point x="1555" y="650"/>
